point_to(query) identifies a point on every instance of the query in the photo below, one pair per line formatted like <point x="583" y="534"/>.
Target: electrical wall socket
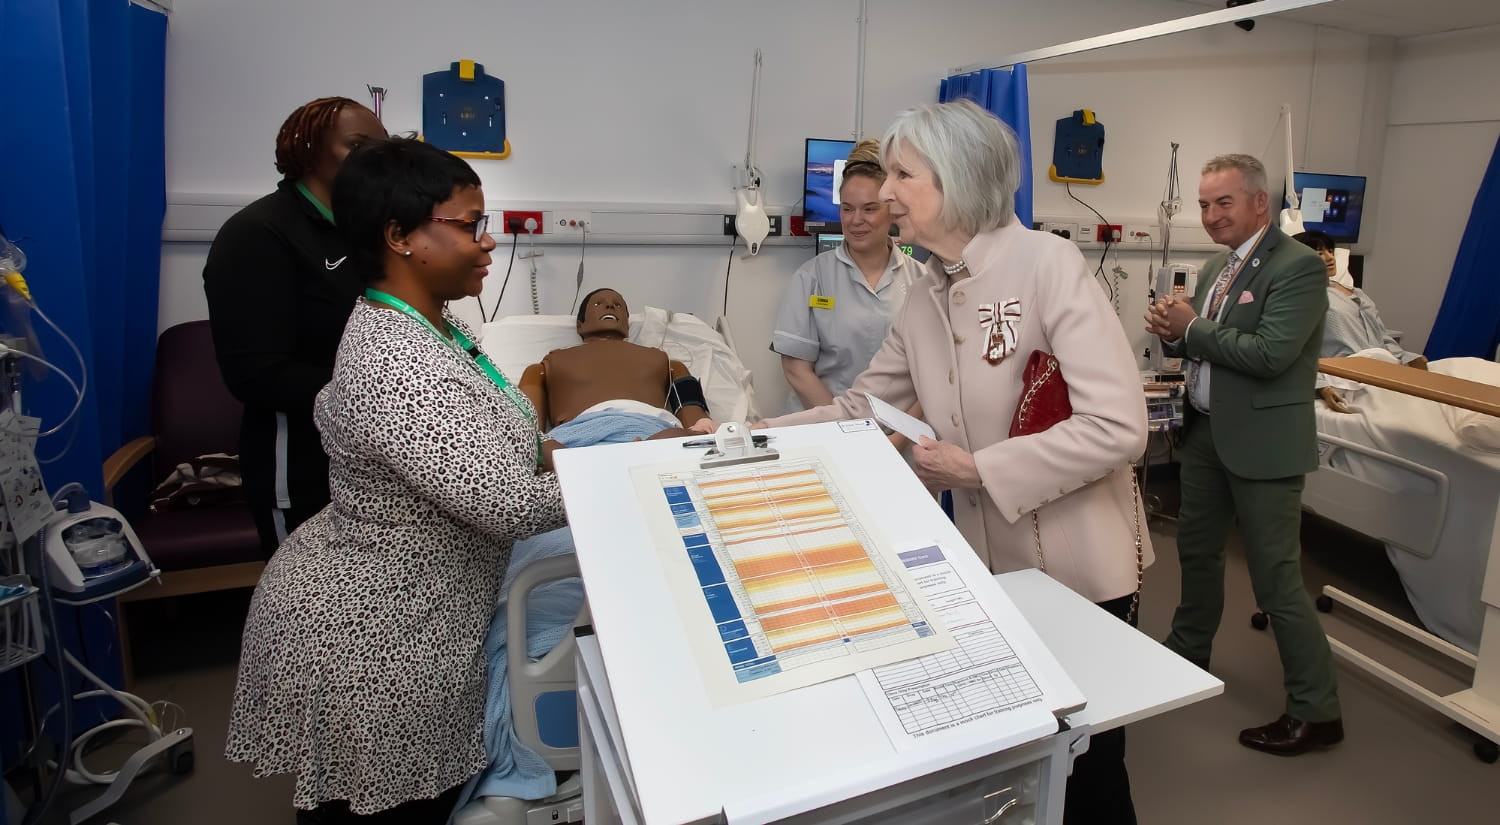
<point x="1085" y="234"/>
<point x="1063" y="230"/>
<point x="775" y="225"/>
<point x="1139" y="234"/>
<point x="1110" y="232"/>
<point x="569" y="221"/>
<point x="514" y="223"/>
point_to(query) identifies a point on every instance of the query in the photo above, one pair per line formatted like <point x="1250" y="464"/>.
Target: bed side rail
<point x="1408" y="519"/>
<point x="546" y="688"/>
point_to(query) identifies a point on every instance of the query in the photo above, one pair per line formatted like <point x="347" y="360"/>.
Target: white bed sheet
<point x="1444" y="588"/>
<point x="518" y="341"/>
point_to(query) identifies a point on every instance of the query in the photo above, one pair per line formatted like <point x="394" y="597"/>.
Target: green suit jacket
<point x="1264" y="354"/>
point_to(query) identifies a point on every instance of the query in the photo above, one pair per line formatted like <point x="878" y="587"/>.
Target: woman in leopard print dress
<point x="363" y="670"/>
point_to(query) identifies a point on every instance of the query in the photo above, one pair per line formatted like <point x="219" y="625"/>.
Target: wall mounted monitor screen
<point x="821" y="177"/>
<point x="1333" y="204"/>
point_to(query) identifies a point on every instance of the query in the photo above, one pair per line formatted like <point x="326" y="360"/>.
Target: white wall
<point x="1212" y="91"/>
<point x="647" y="103"/>
<point x="1443" y="124"/>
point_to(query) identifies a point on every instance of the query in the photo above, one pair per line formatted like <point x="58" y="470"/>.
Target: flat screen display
<point x="1333" y="204"/>
<point x="821" y="178"/>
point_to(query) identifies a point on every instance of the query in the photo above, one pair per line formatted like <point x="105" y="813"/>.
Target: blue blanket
<point x="514" y="769"/>
<point x="607" y="427"/>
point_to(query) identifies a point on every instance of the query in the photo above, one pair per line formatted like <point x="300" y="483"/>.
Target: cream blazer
<point x="1076" y="474"/>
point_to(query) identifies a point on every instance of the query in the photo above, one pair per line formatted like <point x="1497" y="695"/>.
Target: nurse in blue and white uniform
<point x="839" y="305"/>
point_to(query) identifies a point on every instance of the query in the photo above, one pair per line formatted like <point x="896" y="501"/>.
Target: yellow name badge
<point x="820" y="301"/>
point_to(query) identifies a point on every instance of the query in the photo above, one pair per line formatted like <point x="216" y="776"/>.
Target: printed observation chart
<point x="982" y="677"/>
<point x="779" y="577"/>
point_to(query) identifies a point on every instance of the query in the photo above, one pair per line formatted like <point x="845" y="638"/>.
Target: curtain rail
<point x="1197" y="21"/>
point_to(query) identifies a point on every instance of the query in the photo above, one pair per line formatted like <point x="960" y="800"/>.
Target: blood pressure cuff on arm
<point x="686" y="392"/>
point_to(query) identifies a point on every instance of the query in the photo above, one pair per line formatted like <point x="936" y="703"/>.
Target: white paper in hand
<point x="899" y="421"/>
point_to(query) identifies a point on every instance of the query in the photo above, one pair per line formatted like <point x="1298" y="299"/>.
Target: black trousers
<point x="1098" y="792"/>
<point x="298" y="469"/>
<point x="416" y="812"/>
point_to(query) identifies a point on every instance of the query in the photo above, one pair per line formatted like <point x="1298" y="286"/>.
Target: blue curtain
<point x="83" y="193"/>
<point x="1468" y="323"/>
<point x="1002" y="91"/>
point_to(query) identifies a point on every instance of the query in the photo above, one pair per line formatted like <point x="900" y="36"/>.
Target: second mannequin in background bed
<point x="1352" y="326"/>
<point x="838" y="307"/>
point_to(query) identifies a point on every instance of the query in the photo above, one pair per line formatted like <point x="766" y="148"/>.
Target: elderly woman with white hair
<point x="1062" y="498"/>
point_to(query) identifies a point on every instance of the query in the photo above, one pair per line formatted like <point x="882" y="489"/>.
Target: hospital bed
<point x="1399" y="471"/>
<point x="542" y="690"/>
<point x="1423" y="477"/>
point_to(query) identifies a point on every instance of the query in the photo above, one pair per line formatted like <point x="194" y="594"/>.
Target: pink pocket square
<point x="1246" y="297"/>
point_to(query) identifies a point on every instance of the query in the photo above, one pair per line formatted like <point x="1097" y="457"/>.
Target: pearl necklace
<point x="955" y="268"/>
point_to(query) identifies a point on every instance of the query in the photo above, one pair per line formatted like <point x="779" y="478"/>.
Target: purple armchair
<point x="199" y="549"/>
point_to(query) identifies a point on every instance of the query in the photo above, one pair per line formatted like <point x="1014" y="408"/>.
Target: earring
<point x="407" y="253"/>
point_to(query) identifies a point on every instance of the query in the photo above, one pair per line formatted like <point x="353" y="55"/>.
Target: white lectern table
<point x="655" y="751"/>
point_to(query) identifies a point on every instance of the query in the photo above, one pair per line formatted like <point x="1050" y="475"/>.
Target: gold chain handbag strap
<point x="1036" y="531"/>
<point x="1026" y="399"/>
<point x="1025" y="411"/>
<point x="1140" y="556"/>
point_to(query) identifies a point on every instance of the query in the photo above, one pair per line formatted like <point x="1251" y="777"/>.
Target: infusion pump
<point x="1176" y="280"/>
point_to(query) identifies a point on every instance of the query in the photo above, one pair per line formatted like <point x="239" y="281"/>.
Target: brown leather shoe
<point x="1293" y="737"/>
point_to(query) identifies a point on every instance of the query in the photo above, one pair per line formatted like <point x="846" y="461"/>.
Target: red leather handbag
<point x="1044" y="396"/>
<point x="1044" y="402"/>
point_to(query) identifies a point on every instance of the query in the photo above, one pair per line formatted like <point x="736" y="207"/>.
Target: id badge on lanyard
<point x="472" y="354"/>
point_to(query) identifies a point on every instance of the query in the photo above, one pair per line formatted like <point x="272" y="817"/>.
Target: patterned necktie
<point x="1215" y="302"/>
<point x="1221" y="286"/>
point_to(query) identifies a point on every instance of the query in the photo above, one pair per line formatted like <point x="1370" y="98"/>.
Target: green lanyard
<point x="471" y="354"/>
<point x="322" y="210"/>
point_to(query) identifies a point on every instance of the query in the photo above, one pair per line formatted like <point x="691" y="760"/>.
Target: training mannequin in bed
<point x="608" y="390"/>
<point x="1352" y="327"/>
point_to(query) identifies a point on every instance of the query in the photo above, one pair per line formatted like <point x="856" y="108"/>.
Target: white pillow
<point x="1341" y="268"/>
<point x="1474" y="429"/>
<point x="706" y="354"/>
<point x="515" y="342"/>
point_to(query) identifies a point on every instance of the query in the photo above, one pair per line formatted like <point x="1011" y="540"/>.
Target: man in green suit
<point x="1251" y="337"/>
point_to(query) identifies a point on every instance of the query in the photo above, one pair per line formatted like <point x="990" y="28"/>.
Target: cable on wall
<point x="727" y="267"/>
<point x="1108" y="243"/>
<point x="515" y="239"/>
<point x="582" y="251"/>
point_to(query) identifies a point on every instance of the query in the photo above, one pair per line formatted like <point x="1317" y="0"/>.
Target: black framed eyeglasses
<point x="481" y="224"/>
